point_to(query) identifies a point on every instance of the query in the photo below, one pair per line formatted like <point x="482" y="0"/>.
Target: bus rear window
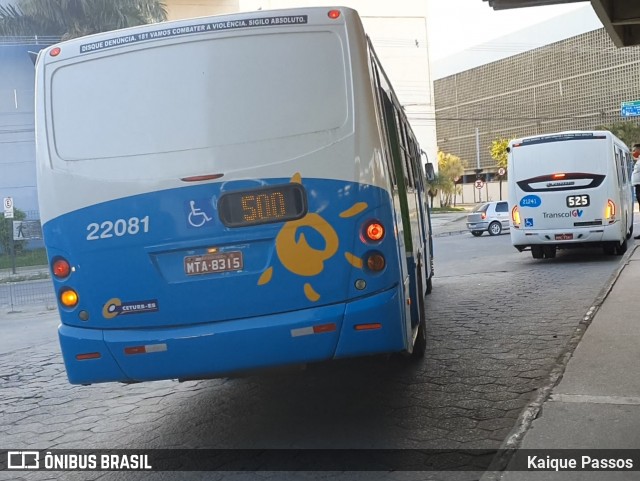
<point x="199" y="95"/>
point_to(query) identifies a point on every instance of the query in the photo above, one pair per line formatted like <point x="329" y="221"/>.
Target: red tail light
<point x="374" y="231"/>
<point x="334" y="14"/>
<point x="61" y="268"/>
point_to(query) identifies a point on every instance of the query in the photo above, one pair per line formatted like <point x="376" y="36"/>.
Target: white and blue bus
<point x="229" y="193"/>
<point x="568" y="190"/>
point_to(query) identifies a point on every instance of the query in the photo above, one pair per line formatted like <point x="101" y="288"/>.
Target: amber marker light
<point x="610" y="210"/>
<point x="515" y="216"/>
<point x="69" y="297"/>
<point x="61" y="268"/>
<point x="558" y="176"/>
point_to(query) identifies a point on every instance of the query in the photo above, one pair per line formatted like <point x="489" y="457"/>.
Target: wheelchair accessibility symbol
<point x="200" y="212"/>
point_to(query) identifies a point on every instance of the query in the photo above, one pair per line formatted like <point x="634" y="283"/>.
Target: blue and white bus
<point x="568" y="190"/>
<point x="229" y="193"/>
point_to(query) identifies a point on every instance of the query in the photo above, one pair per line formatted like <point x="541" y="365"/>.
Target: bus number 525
<point x="577" y="201"/>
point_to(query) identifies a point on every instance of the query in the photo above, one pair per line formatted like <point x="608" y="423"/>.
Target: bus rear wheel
<point x="537" y="252"/>
<point x="549" y="251"/>
<point x="621" y="248"/>
<point x="420" y="345"/>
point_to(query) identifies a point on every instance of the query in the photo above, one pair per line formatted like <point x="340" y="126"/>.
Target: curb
<point x="532" y="410"/>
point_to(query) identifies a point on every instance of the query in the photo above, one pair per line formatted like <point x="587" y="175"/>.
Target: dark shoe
<point x="637" y="237"/>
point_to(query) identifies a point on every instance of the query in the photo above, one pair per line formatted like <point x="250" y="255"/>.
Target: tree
<point x="75" y="18"/>
<point x="434" y="186"/>
<point x="499" y="152"/>
<point x="628" y="132"/>
<point x="500" y="155"/>
<point x="451" y="168"/>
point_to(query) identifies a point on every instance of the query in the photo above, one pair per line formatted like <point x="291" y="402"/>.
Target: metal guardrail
<point x="36" y="293"/>
<point x="27" y="287"/>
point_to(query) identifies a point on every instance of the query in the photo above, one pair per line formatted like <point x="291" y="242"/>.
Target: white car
<point x="492" y="217"/>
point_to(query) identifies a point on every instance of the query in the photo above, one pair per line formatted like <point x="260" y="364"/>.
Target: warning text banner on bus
<point x="476" y="460"/>
<point x="194" y="28"/>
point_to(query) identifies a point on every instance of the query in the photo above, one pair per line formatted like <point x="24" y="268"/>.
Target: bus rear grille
<point x="585" y="224"/>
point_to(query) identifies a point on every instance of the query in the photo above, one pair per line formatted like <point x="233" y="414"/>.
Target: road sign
<point x="27" y="229"/>
<point x="479" y="184"/>
<point x="630" y="109"/>
<point x="502" y="171"/>
<point x="8" y="207"/>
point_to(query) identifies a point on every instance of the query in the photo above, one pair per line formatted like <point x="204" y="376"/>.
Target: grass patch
<point x="35" y="257"/>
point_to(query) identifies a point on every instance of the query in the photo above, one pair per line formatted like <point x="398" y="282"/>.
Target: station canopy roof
<point x="621" y="18"/>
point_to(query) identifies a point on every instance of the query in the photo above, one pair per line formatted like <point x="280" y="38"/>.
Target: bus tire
<point x="420" y="345"/>
<point x="549" y="251"/>
<point x="621" y="248"/>
<point x="476" y="233"/>
<point x="495" y="228"/>
<point x="429" y="286"/>
<point x="537" y="252"/>
<point x="609" y="248"/>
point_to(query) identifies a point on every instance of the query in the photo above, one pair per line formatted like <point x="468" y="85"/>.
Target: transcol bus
<point x="570" y="189"/>
<point x="229" y="193"/>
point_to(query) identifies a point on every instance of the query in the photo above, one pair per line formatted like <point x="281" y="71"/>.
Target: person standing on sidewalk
<point x="635" y="177"/>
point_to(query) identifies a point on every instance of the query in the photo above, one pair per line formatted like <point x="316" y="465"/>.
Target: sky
<point x="462" y="34"/>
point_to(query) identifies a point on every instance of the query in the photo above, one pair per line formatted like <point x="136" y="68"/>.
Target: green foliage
<point x="499" y="152"/>
<point x="450" y="168"/>
<point x="628" y="131"/>
<point x="434" y="186"/>
<point x="6" y="233"/>
<point x="30" y="258"/>
<point x="75" y="18"/>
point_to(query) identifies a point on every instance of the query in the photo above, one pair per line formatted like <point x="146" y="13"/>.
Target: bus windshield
<point x="234" y="93"/>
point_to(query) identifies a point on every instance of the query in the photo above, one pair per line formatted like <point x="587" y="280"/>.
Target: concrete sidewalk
<point x="596" y="403"/>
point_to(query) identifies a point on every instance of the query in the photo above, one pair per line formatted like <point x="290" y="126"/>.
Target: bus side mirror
<point x="428" y="170"/>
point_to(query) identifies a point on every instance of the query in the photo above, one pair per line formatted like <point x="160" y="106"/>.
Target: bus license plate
<point x="213" y="263"/>
<point x="564" y="236"/>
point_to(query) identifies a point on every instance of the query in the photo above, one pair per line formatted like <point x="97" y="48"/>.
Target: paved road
<point x="497" y="322"/>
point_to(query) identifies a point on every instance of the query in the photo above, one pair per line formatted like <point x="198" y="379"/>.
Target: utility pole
<point x="478" y="169"/>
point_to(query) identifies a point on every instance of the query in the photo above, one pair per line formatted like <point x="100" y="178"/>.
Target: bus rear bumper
<point x="567" y="237"/>
<point x="223" y="348"/>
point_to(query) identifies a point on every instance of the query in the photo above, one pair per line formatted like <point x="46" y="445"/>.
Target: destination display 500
<point x="263" y="205"/>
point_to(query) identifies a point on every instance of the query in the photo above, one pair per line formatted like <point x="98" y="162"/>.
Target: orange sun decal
<point x="297" y="256"/>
